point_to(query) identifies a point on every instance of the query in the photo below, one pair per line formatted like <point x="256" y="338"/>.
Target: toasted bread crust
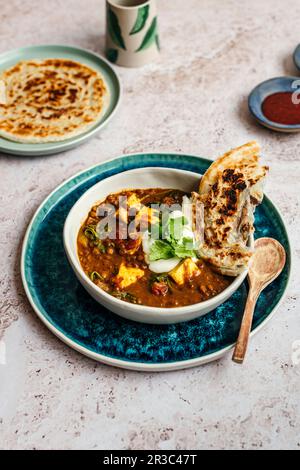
<point x="243" y="156"/>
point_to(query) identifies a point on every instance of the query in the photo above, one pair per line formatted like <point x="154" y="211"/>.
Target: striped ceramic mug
<point x="131" y="36"/>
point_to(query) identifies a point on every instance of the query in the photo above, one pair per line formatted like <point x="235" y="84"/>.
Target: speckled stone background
<point x="193" y="100"/>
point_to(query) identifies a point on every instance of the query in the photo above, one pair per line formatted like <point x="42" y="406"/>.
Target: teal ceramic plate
<point x="70" y="313"/>
<point x="89" y="58"/>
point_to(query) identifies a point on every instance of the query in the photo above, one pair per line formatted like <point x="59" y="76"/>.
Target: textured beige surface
<point x="194" y="101"/>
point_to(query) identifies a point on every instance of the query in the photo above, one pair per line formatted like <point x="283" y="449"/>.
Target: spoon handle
<point x="242" y="341"/>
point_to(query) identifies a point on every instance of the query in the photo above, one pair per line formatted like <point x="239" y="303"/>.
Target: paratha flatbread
<point x="50" y="100"/>
<point x="230" y="190"/>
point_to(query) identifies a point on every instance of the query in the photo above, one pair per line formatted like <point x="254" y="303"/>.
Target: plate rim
<point x="72" y="142"/>
<point x="124" y="364"/>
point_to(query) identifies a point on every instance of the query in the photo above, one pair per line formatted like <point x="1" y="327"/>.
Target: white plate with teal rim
<point x="8" y="59"/>
<point x="76" y="318"/>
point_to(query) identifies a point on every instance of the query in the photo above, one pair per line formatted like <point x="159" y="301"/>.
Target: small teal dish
<point x="84" y="56"/>
<point x="296" y="57"/>
<point x="70" y="313"/>
<point x="264" y="89"/>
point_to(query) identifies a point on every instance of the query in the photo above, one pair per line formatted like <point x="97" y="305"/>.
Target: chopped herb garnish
<point x="95" y="275"/>
<point x="115" y="270"/>
<point x="174" y="242"/>
<point x="161" y="278"/>
<point x="125" y="296"/>
<point x="91" y="233"/>
<point x="101" y="247"/>
<point x="161" y="250"/>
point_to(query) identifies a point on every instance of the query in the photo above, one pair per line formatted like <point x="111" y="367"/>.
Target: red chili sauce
<point x="280" y="108"/>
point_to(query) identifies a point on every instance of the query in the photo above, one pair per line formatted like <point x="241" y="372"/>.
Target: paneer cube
<point x="184" y="271"/>
<point x="127" y="276"/>
<point x="147" y="215"/>
<point x="83" y="240"/>
<point x="133" y="201"/>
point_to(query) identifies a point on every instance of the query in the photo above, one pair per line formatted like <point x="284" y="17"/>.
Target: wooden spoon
<point x="266" y="264"/>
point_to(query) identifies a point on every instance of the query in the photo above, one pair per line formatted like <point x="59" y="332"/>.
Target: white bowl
<point x="137" y="179"/>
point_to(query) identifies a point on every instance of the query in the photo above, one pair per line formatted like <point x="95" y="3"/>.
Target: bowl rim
<point x="273" y="125"/>
<point x="158" y="311"/>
